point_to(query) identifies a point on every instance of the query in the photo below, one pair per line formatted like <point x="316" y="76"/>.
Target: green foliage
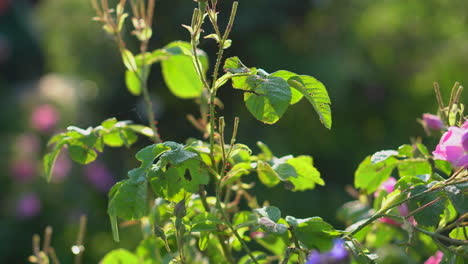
<point x="313" y="232"/>
<point x="204" y="208"/>
<point x="179" y="71"/>
<point x="370" y="176"/>
<point x="120" y="256"/>
<point x="83" y="145"/>
<point x="267" y="96"/>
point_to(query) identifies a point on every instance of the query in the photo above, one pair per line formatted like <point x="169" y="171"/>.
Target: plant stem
<point x="228" y="223"/>
<point x="381" y="213"/>
<point x="297" y="245"/>
<point x="80" y="239"/>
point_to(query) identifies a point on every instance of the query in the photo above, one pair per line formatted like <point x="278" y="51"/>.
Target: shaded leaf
<point x="316" y="93"/>
<point x="270" y="212"/>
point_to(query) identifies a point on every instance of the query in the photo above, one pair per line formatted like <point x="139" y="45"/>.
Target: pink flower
<point x="389" y="186"/>
<point x="436" y="259"/>
<point x="23" y="170"/>
<point x="99" y="176"/>
<point x="452" y="146"/>
<point x="44" y="118"/>
<point x="465" y="125"/>
<point x="28" y="206"/>
<point x="432" y="122"/>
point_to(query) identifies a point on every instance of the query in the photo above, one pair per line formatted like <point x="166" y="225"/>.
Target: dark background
<point x="378" y="60"/>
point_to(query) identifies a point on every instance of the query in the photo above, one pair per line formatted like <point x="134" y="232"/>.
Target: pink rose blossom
<point x="433" y="122"/>
<point x="436" y="259"/>
<point x="465" y="125"/>
<point x="44" y="118"/>
<point x="389" y="186"/>
<point x="452" y="146"/>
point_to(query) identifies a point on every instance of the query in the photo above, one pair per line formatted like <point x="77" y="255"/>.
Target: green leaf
<point x="177" y="154"/>
<point x="316" y="93"/>
<point x="166" y="184"/>
<point x="429" y="215"/>
<point x="275" y="243"/>
<point x="148" y="249"/>
<point x="406" y="150"/>
<point x="132" y="80"/>
<point x="458" y="195"/>
<point x="423" y="150"/>
<point x="120" y="256"/>
<point x="460" y="233"/>
<point x="271" y="212"/>
<point x="205" y="222"/>
<point x="127" y="200"/>
<point x="296" y="95"/>
<point x="203" y="240"/>
<point x="370" y="176"/>
<point x="179" y="71"/>
<point x="383" y="155"/>
<point x="261" y="258"/>
<point x="307" y="176"/>
<point x="267" y="175"/>
<point x="227" y="44"/>
<point x="109" y="123"/>
<point x="269" y="98"/>
<point x="175" y="182"/>
<point x="152" y="57"/>
<point x="411" y="167"/>
<point x="81" y="153"/>
<point x="443" y="166"/>
<point x="129" y="60"/>
<point x="313" y="232"/>
<point x="49" y="160"/>
<point x="233" y="66"/>
<point x="407" y="182"/>
<point x="266" y="154"/>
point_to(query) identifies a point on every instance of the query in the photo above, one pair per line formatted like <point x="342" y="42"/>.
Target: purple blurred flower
<point x="23" y="170"/>
<point x="28" y="206"/>
<point x="62" y="167"/>
<point x="432" y="122"/>
<point x="99" y="176"/>
<point x="452" y="146"/>
<point x="44" y="118"/>
<point x="337" y="255"/>
<point x="436" y="259"/>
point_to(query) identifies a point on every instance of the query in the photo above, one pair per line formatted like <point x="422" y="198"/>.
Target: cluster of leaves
<point x="194" y="200"/>
<point x="428" y="202"/>
<point x="84" y="144"/>
<point x="175" y="173"/>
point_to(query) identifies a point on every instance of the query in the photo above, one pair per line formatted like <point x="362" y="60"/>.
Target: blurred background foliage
<point x="378" y="60"/>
